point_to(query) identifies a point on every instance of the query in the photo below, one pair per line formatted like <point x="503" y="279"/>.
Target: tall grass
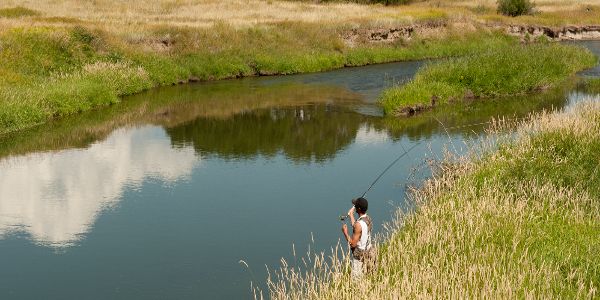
<point x="518" y="220"/>
<point x="500" y="71"/>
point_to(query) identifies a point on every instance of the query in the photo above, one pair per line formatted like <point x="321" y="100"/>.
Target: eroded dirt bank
<point x="525" y="32"/>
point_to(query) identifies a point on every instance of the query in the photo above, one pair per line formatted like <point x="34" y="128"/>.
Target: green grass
<point x="17" y="12"/>
<point x="502" y="71"/>
<point x="591" y="85"/>
<point x="50" y="72"/>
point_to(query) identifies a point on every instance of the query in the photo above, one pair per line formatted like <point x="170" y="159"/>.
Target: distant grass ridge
<point x="518" y="220"/>
<point x="50" y="72"/>
<point x="17" y="12"/>
<point x="501" y="71"/>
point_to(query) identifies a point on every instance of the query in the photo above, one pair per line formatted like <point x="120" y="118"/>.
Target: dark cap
<point x="361" y="203"/>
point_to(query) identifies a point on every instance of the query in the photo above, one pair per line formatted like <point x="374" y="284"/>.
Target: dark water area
<point x="161" y="196"/>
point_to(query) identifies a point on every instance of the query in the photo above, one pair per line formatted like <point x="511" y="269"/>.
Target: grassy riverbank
<point x="501" y="71"/>
<point x="59" y="59"/>
<point x="519" y="221"/>
<point x="54" y="72"/>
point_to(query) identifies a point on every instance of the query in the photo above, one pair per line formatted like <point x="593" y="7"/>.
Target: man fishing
<point x="360" y="241"/>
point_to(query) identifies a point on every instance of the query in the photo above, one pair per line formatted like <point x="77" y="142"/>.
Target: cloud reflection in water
<point x="56" y="197"/>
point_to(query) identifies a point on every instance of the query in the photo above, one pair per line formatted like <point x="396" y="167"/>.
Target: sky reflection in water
<point x="56" y="196"/>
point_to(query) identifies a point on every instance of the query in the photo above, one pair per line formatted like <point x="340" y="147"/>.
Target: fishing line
<point x="418" y="143"/>
<point x="389" y="166"/>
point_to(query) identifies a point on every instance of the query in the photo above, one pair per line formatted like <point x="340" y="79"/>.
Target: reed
<point x="517" y="218"/>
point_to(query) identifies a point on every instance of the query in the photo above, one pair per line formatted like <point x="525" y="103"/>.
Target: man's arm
<point x="356" y="231"/>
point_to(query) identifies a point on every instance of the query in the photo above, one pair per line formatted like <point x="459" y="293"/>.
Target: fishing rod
<point x="389" y="166"/>
<point x="343" y="217"/>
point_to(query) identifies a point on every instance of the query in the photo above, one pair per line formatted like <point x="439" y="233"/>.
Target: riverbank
<point x="521" y="219"/>
<point x="50" y="72"/>
<point x="502" y="71"/>
<point x="62" y="59"/>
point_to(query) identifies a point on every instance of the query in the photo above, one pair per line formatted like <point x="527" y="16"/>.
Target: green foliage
<point x="502" y="71"/>
<point x="17" y="12"/>
<point x="515" y="8"/>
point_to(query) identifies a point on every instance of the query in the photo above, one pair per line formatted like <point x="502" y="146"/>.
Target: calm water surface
<point x="160" y="197"/>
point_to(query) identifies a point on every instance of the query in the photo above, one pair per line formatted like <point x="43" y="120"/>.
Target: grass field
<point x="501" y="71"/>
<point x="126" y="15"/>
<point x="517" y="219"/>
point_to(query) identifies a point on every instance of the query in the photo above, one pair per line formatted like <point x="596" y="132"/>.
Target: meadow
<point x="517" y="218"/>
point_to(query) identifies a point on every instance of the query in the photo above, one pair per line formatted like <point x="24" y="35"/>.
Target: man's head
<point x="361" y="204"/>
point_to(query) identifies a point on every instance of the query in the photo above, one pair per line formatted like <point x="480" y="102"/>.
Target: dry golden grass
<point x="120" y="15"/>
<point x="204" y="13"/>
<point x="484" y="230"/>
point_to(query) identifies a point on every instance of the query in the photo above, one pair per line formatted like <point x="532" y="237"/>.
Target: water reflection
<point x="302" y="134"/>
<point x="171" y="107"/>
<point x="55" y="197"/>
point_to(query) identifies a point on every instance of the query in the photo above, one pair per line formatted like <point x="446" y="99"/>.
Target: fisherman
<point x="360" y="241"/>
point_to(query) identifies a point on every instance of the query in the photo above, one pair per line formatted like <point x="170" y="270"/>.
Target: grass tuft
<point x="502" y="71"/>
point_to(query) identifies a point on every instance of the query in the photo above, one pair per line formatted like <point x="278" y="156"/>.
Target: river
<point x="161" y="196"/>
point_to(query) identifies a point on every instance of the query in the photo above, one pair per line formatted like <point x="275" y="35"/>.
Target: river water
<point x="161" y="196"/>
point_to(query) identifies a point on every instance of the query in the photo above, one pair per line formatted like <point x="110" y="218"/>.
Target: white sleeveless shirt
<point x="364" y="241"/>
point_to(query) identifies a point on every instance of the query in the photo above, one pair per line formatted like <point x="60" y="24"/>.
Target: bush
<point x="515" y="8"/>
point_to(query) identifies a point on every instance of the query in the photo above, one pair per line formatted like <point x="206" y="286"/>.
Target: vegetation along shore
<point x="518" y="218"/>
<point x="501" y="71"/>
<point x="59" y="59"/>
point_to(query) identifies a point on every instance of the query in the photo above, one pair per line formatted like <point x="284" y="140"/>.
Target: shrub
<point x="515" y="8"/>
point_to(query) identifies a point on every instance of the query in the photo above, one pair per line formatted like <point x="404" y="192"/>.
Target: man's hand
<point x="351" y="211"/>
<point x="345" y="229"/>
